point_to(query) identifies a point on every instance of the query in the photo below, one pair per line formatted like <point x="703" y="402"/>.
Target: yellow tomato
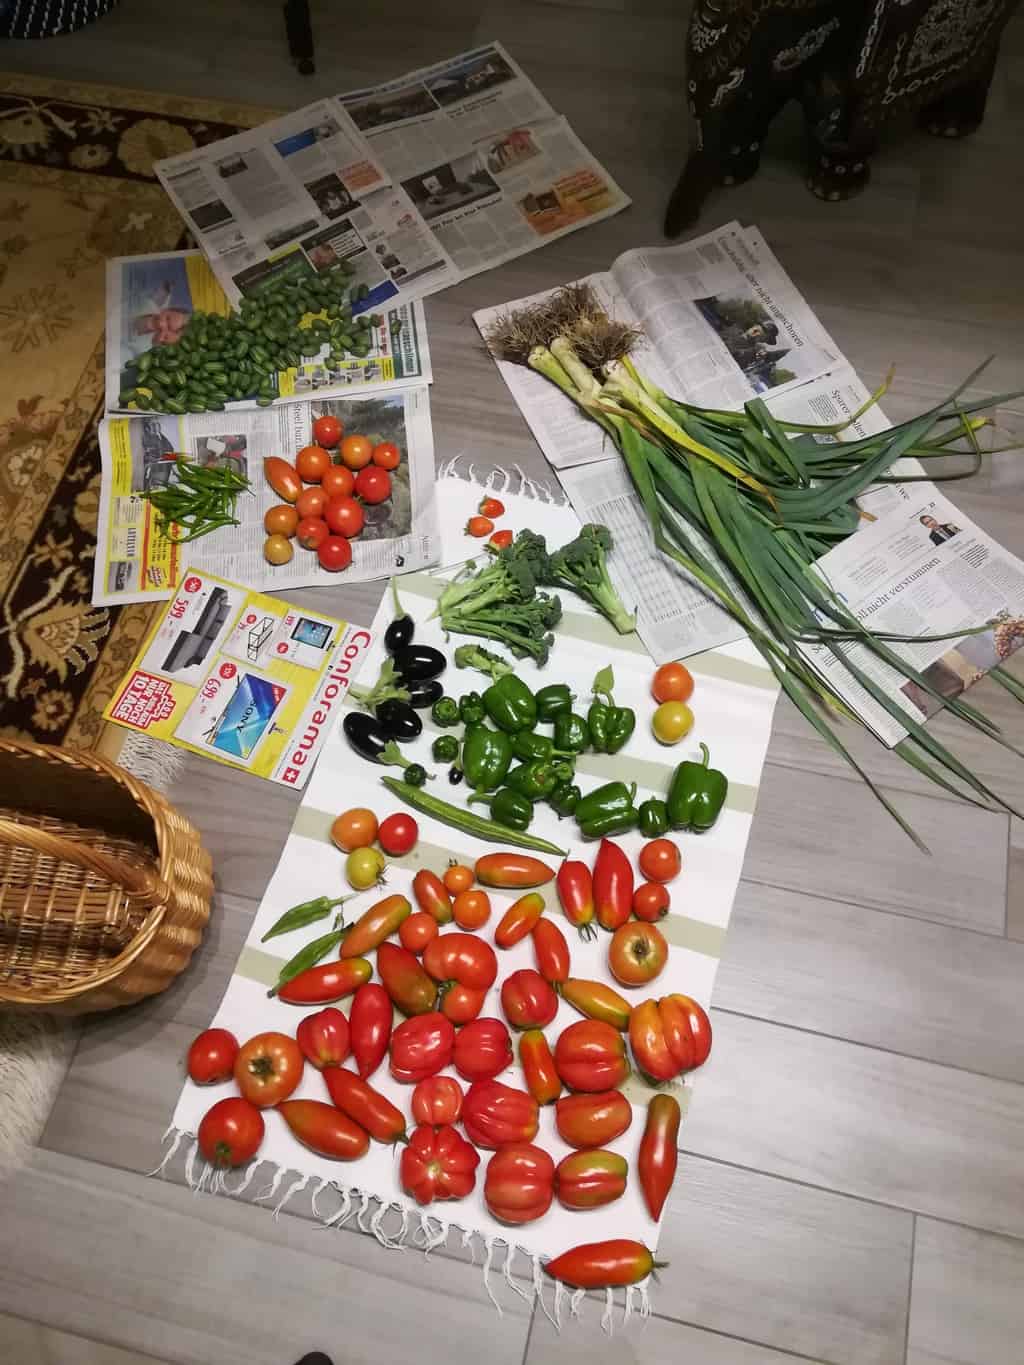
<point x="277" y="549"/>
<point x="671" y="722"/>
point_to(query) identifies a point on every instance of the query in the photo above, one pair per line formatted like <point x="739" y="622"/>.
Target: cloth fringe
<point x="502" y="481"/>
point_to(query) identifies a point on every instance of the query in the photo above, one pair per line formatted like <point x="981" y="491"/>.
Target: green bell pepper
<point x="612" y="822"/>
<point x="445" y="712"/>
<point x="571" y="733"/>
<point x="471" y="709"/>
<point x="653" y="818"/>
<point x="486" y="757"/>
<point x="553" y="700"/>
<point x="612" y="797"/>
<point x="508" y="807"/>
<point x="564" y="799"/>
<point x="510" y="704"/>
<point x="538" y="779"/>
<point x="527" y="745"/>
<point x="610" y="726"/>
<point x="696" y="794"/>
<point x="445" y="749"/>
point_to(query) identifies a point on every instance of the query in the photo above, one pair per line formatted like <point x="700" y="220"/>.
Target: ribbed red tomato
<point x="669" y="1036"/>
<point x="438" y="1164"/>
<point x="593" y="1120"/>
<point x="494" y="1115"/>
<point x="464" y="958"/>
<point x="437" y="1100"/>
<point x="588" y="1180"/>
<point x="591" y="1056"/>
<point x="528" y="1000"/>
<point x="483" y="1048"/>
<point x="324" y="1038"/>
<point x="421" y="1046"/>
<point x="519" y="1184"/>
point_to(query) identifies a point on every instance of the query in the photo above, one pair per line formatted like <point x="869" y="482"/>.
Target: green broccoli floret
<point x="504" y="579"/>
<point x="582" y="567"/>
<point x="484" y="660"/>
<point x="530" y="549"/>
<point x="524" y="627"/>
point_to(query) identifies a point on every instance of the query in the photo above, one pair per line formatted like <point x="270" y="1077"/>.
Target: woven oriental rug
<point x="76" y="186"/>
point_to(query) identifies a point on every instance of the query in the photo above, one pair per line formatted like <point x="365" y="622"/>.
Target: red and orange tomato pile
<point x="323" y="494"/>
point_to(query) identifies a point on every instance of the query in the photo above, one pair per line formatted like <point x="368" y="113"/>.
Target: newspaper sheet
<point x="135" y="563"/>
<point x="150" y="299"/>
<point x="719" y="328"/>
<point x="416" y="183"/>
<point x="923" y="569"/>
<point x="240" y="677"/>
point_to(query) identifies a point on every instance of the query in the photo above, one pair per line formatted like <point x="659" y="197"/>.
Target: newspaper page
<point x="923" y="569"/>
<point x="150" y="300"/>
<point x="240" y="677"/>
<point x="135" y="563"/>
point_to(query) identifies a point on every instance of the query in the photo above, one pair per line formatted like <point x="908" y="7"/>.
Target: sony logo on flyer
<point x="333" y="687"/>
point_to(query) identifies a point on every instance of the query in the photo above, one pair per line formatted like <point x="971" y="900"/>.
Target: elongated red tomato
<point x="591" y="1055"/>
<point x="538" y="1065"/>
<point x="494" y="1115"/>
<point x="483" y="1048"/>
<point x="597" y="1001"/>
<point x="512" y="870"/>
<point x="421" y="1046"/>
<point x="378" y="923"/>
<point x="431" y="895"/>
<point x="211" y="1058"/>
<point x="550" y="951"/>
<point x="519" y="1184"/>
<point x="593" y="1120"/>
<point x="405" y="981"/>
<point x="326" y="983"/>
<point x="369" y="1024"/>
<point x="603" y="1265"/>
<point x="613" y="885"/>
<point x="460" y="957"/>
<point x="576" y="896"/>
<point x="519" y="919"/>
<point x="438" y="1164"/>
<point x="658" y="1156"/>
<point x="324" y="1038"/>
<point x="437" y="1101"/>
<point x="230" y="1132"/>
<point x="669" y="1036"/>
<point x="589" y="1180"/>
<point x="364" y="1105"/>
<point x="324" y="1129"/>
<point x="528" y="1000"/>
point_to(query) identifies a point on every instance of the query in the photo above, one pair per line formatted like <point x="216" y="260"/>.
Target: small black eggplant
<point x="366" y="735"/>
<point x="423" y="694"/>
<point x="401" y="630"/>
<point x="414" y="663"/>
<point x="399" y="720"/>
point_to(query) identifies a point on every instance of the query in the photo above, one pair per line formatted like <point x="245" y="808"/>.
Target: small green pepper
<point x="445" y="712"/>
<point x="610" y="726"/>
<point x="653" y="818"/>
<point x="527" y="745"/>
<point x="611" y="823"/>
<point x="445" y="749"/>
<point x="510" y="704"/>
<point x="571" y="733"/>
<point x="509" y="808"/>
<point x="538" y="779"/>
<point x="553" y="700"/>
<point x="486" y="757"/>
<point x="696" y="794"/>
<point x="471" y="709"/>
<point x="613" y="796"/>
<point x="415" y="775"/>
<point x="564" y="799"/>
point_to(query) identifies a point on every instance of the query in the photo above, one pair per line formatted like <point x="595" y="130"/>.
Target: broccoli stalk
<point x="524" y="627"/>
<point x="483" y="660"/>
<point x="505" y="579"/>
<point x="388" y="687"/>
<point x="582" y="567"/>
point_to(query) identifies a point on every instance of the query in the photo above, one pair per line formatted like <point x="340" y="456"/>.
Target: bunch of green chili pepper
<point x="200" y="501"/>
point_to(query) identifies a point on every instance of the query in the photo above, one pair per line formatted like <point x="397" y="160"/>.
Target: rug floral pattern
<point x="76" y="187"/>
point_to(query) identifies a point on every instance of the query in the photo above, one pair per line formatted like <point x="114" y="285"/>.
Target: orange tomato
<point x="479" y="527"/>
<point x="312" y="462"/>
<point x="637" y="953"/>
<point x="387" y="455"/>
<point x="458" y="878"/>
<point x="471" y="909"/>
<point x="337" y="482"/>
<point x="417" y="931"/>
<point x="356" y="451"/>
<point x="282" y="477"/>
<point x="355" y="828"/>
<point x="280" y="520"/>
<point x="268" y="1068"/>
<point x="311" y="502"/>
<point x="672" y="682"/>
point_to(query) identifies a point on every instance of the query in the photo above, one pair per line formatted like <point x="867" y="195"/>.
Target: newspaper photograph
<point x="135" y="562"/>
<point x="151" y="299"/>
<point x="923" y="569"/>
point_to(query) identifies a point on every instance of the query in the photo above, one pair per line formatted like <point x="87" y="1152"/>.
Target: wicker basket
<point x="104" y="888"/>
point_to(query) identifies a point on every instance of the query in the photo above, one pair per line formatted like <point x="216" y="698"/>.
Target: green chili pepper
<point x="610" y="726"/>
<point x="538" y="779"/>
<point x="613" y="796"/>
<point x="445" y="712"/>
<point x="696" y="794"/>
<point x="510" y="704"/>
<point x="653" y="818"/>
<point x="553" y="700"/>
<point x="445" y="749"/>
<point x="471" y="709"/>
<point x="611" y="823"/>
<point x="306" y="913"/>
<point x="527" y="745"/>
<point x="564" y="799"/>
<point x="460" y="818"/>
<point x="571" y="732"/>
<point x="486" y="757"/>
<point x="508" y="807"/>
<point x="415" y="774"/>
<point x="307" y="957"/>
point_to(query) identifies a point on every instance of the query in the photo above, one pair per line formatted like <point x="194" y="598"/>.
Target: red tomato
<point x="311" y="463"/>
<point x="672" y="682"/>
<point x="463" y="958"/>
<point x="211" y="1058"/>
<point x="356" y="452"/>
<point x="369" y="1025"/>
<point x="432" y="896"/>
<point x="519" y="1184"/>
<point x="591" y="1056"/>
<point x="512" y="871"/>
<point x="501" y="540"/>
<point x="589" y="1180"/>
<point x="327" y="431"/>
<point x="282" y="477"/>
<point x="311" y="532"/>
<point x="494" y="1115"/>
<point x="660" y="861"/>
<point x="324" y="1038"/>
<point x="550" y="951"/>
<point x="491" y="507"/>
<point x="405" y="981"/>
<point x="438" y="1165"/>
<point x="324" y="984"/>
<point x="437" y="1100"/>
<point x="479" y="527"/>
<point x="387" y="455"/>
<point x="398" y="834"/>
<point x="344" y="516"/>
<point x="337" y="482"/>
<point x="650" y="901"/>
<point x="575" y="886"/>
<point x="613" y="885"/>
<point x="458" y="878"/>
<point x="471" y="909"/>
<point x="421" y="1046"/>
<point x="669" y="1036"/>
<point x="417" y="931"/>
<point x="268" y="1068"/>
<point x="373" y="485"/>
<point x="597" y="1001"/>
<point x="483" y="1048"/>
<point x="539" y="1067"/>
<point x="593" y="1120"/>
<point x="311" y="503"/>
<point x="334" y="554"/>
<point x="324" y="1129"/>
<point x="637" y="953"/>
<point x="280" y="520"/>
<point x="461" y="1004"/>
<point x="602" y="1265"/>
<point x="658" y="1155"/>
<point x="519" y="919"/>
<point x="364" y="1105"/>
<point x="528" y="1000"/>
<point x="230" y="1132"/>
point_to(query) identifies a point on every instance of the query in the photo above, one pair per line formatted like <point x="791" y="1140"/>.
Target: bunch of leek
<point x="769" y="497"/>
